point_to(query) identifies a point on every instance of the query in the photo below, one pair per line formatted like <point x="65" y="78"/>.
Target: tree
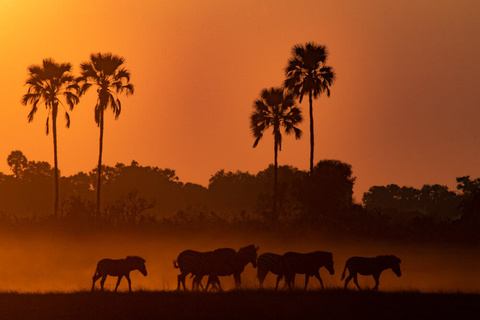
<point x="46" y="84"/>
<point x="470" y="205"/>
<point x="329" y="188"/>
<point x="105" y="71"/>
<point x="307" y="73"/>
<point x="17" y="162"/>
<point x="275" y="109"/>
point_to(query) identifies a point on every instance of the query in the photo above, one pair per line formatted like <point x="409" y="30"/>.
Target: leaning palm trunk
<point x="55" y="158"/>
<point x="99" y="179"/>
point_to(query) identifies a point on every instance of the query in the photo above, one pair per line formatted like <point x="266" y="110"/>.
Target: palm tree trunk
<point x="55" y="158"/>
<point x="99" y="169"/>
<point x="311" y="131"/>
<point x="275" y="179"/>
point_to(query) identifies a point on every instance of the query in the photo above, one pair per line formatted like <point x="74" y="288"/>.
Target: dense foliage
<point x="318" y="202"/>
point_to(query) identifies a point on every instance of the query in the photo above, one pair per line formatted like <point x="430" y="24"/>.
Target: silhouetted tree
<point x="46" y="83"/>
<point x="402" y="203"/>
<point x="329" y="188"/>
<point x="307" y="73"/>
<point x="470" y="205"/>
<point x="17" y="162"/>
<point x="105" y="71"/>
<point x="275" y="109"/>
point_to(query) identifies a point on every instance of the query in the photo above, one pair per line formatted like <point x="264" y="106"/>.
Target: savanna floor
<point x="243" y="304"/>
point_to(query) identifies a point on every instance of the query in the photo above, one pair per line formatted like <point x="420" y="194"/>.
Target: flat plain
<point x="240" y="304"/>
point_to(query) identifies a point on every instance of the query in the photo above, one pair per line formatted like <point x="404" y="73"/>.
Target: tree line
<point x="318" y="201"/>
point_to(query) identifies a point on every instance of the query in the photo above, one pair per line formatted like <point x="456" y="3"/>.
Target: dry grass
<point x="243" y="304"/>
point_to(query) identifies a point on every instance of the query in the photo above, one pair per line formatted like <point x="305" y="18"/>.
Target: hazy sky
<point x="404" y="108"/>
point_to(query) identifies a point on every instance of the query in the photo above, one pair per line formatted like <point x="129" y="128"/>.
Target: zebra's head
<point x="138" y="263"/>
<point x="329" y="263"/>
<point x="392" y="262"/>
<point x="250" y="254"/>
<point x="396" y="265"/>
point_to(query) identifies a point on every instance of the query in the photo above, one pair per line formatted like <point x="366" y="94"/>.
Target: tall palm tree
<point x="105" y="71"/>
<point x="46" y="84"/>
<point x="275" y="109"/>
<point x="307" y="73"/>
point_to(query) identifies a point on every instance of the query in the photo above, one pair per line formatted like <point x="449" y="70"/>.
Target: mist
<point x="66" y="263"/>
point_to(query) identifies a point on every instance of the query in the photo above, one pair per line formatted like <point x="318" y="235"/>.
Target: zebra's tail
<point x="175" y="264"/>
<point x="345" y="269"/>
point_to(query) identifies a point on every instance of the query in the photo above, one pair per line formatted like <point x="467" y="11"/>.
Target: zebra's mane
<point x="136" y="258"/>
<point x="390" y="257"/>
<point x="252" y="246"/>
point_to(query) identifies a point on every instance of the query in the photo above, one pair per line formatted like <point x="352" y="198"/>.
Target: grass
<point x="242" y="304"/>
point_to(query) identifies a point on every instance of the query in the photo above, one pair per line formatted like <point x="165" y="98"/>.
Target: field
<point x="248" y="304"/>
<point x="49" y="275"/>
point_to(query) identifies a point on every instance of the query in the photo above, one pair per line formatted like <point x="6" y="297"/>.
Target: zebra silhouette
<point x="192" y="262"/>
<point x="118" y="268"/>
<point x="221" y="262"/>
<point x="270" y="262"/>
<point x="226" y="262"/>
<point x="370" y="266"/>
<point x="308" y="264"/>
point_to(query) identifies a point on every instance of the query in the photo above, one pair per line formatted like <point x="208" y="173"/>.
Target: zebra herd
<point x="227" y="261"/>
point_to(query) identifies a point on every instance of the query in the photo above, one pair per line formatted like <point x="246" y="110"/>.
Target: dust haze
<point x="66" y="263"/>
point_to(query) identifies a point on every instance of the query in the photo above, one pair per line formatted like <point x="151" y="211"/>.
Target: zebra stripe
<point x="308" y="264"/>
<point x="221" y="262"/>
<point x="370" y="266"/>
<point x="118" y="268"/>
<point x="191" y="262"/>
<point x="270" y="262"/>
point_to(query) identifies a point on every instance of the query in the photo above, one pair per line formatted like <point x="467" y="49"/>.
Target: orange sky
<point x="404" y="108"/>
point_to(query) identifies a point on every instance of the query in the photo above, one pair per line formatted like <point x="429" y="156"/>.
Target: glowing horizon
<point x="403" y="108"/>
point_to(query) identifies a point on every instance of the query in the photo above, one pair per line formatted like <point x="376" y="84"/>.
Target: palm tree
<point x="275" y="109"/>
<point x="105" y="71"/>
<point x="46" y="84"/>
<point x="306" y="73"/>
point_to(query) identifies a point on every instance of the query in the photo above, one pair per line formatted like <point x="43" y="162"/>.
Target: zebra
<point x="308" y="264"/>
<point x="228" y="262"/>
<point x="221" y="262"/>
<point x="191" y="261"/>
<point x="270" y="262"/>
<point x="118" y="268"/>
<point x="370" y="266"/>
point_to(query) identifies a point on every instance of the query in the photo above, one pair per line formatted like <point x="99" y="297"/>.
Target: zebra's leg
<point x="377" y="282"/>
<point x="238" y="280"/>
<point x="280" y="276"/>
<point x="348" y="280"/>
<point x="317" y="275"/>
<point x="261" y="275"/>
<point x="129" y="282"/>
<point x="95" y="278"/>
<point x="218" y="282"/>
<point x="181" y="280"/>
<point x="118" y="282"/>
<point x="355" y="280"/>
<point x="102" y="282"/>
<point x="307" y="276"/>
<point x="197" y="283"/>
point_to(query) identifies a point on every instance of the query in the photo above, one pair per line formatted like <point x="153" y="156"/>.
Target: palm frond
<point x="47" y="126"/>
<point x="257" y="140"/>
<point x="129" y="88"/>
<point x="67" y="118"/>
<point x="33" y="110"/>
<point x="71" y="98"/>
